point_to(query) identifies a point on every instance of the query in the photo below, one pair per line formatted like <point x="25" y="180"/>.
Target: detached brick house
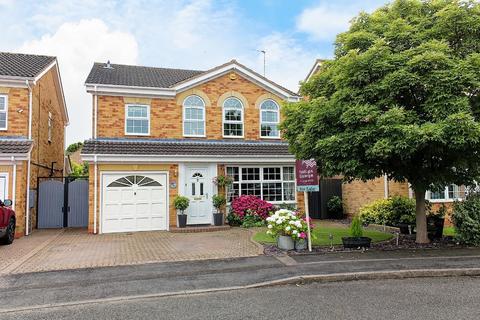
<point x="357" y="194"/>
<point x="160" y="132"/>
<point x="33" y="117"/>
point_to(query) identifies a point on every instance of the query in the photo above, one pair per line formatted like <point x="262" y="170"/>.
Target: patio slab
<point x="74" y="249"/>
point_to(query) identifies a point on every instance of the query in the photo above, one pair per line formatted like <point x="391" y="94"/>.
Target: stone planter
<point x="285" y="243"/>
<point x="301" y="244"/>
<point x="356" y="242"/>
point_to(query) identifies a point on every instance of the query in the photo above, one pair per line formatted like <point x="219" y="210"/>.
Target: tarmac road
<point x="422" y="298"/>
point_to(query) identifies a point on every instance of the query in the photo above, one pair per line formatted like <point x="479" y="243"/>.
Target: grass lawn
<point x="321" y="235"/>
<point x="449" y="231"/>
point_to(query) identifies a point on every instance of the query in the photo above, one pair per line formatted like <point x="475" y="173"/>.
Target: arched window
<point x="129" y="181"/>
<point x="269" y="119"/>
<point x="232" y="118"/>
<point x="194" y="117"/>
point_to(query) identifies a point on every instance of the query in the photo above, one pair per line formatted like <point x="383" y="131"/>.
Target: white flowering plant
<point x="285" y="222"/>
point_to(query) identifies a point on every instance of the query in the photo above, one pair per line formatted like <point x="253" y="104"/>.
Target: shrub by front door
<point x="199" y="191"/>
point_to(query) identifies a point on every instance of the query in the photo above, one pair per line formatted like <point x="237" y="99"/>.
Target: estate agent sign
<point x="306" y="173"/>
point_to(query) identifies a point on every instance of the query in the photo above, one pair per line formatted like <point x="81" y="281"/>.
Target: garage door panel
<point x="127" y="195"/>
<point x="113" y="196"/>
<point x="134" y="207"/>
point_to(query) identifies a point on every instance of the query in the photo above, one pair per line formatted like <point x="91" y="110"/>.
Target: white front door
<point x="3" y="185"/>
<point x="134" y="201"/>
<point x="199" y="190"/>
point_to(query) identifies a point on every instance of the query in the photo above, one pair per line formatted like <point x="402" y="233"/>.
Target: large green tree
<point x="400" y="97"/>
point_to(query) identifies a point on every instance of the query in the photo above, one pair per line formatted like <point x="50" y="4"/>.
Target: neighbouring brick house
<point x="33" y="117"/>
<point x="160" y="132"/>
<point x="357" y="194"/>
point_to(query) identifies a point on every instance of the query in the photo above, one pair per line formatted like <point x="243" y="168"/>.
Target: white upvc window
<point x="50" y="126"/>
<point x="3" y="111"/>
<point x="232" y="118"/>
<point x="269" y="119"/>
<point x="137" y="119"/>
<point x="450" y="193"/>
<point x="193" y="117"/>
<point x="275" y="184"/>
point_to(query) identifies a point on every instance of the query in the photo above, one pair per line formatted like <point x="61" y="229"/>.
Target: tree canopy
<point x="400" y="97"/>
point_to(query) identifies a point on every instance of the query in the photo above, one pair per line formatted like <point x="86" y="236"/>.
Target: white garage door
<point x="134" y="202"/>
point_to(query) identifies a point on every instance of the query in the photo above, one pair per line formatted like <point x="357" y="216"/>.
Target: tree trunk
<point x="422" y="235"/>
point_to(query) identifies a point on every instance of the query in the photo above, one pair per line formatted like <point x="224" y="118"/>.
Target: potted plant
<point x="181" y="204"/>
<point x="436" y="222"/>
<point x="219" y="202"/>
<point x="357" y="240"/>
<point x="222" y="181"/>
<point x="286" y="226"/>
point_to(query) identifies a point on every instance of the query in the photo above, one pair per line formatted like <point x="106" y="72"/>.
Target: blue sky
<point x="191" y="34"/>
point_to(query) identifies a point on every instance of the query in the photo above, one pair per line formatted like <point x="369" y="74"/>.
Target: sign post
<point x="307" y="181"/>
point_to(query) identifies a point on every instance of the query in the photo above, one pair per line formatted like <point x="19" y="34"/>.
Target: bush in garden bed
<point x="466" y="219"/>
<point x="392" y="211"/>
<point x="251" y="205"/>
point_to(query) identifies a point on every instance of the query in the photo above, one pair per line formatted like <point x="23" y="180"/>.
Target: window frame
<point x="137" y="118"/>
<point x="261" y="181"/>
<point x="203" y="108"/>
<point x="266" y="122"/>
<point x="5" y="96"/>
<point x="446" y="194"/>
<point x="50" y="127"/>
<point x="242" y="122"/>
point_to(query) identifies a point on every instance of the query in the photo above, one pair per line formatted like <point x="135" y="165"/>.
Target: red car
<point x="7" y="222"/>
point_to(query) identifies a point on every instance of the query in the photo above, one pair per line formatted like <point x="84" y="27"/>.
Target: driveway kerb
<point x="354" y="276"/>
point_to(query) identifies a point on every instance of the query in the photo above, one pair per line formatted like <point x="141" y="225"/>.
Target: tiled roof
<point x="172" y="147"/>
<point x="14" y="145"/>
<point x="137" y="76"/>
<point x="23" y="65"/>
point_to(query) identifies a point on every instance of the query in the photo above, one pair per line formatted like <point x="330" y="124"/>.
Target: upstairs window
<point x="3" y="112"/>
<point x="233" y="118"/>
<point x="137" y="120"/>
<point x="194" y="117"/>
<point x="269" y="119"/>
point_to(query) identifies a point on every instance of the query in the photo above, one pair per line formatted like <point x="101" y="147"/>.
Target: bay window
<point x="275" y="184"/>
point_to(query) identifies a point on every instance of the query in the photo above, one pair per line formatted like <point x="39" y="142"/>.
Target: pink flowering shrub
<point x="251" y="205"/>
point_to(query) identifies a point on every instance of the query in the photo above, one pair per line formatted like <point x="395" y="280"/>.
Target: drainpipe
<point x="14" y="183"/>
<point x="95" y="111"/>
<point x="95" y="195"/>
<point x="385" y="186"/>
<point x="27" y="202"/>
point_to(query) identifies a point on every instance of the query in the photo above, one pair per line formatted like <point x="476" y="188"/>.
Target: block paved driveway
<point x="47" y="250"/>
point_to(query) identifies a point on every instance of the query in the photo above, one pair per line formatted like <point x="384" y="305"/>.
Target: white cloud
<point x="322" y="22"/>
<point x="326" y="20"/>
<point x="77" y="46"/>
